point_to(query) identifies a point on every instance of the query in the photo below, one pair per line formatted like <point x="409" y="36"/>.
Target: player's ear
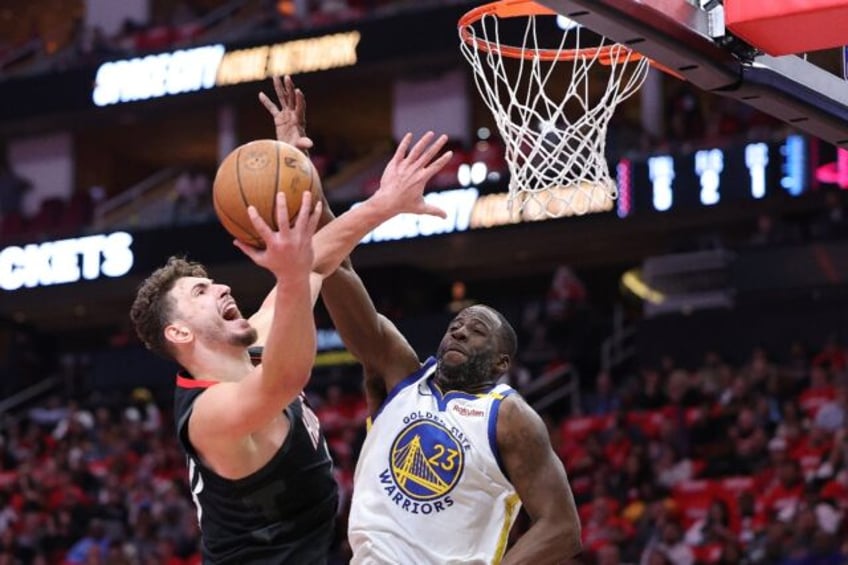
<point x="503" y="363"/>
<point x="178" y="333"/>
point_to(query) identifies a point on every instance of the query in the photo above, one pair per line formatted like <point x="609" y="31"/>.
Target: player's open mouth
<point x="231" y="312"/>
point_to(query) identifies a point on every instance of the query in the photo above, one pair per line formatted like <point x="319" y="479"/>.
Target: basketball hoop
<point x="554" y="132"/>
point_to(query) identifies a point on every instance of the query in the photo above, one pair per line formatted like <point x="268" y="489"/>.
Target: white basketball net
<point x="555" y="140"/>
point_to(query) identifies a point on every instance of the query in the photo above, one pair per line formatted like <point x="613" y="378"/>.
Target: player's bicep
<point x="532" y="466"/>
<point x="394" y="359"/>
<point x="371" y="337"/>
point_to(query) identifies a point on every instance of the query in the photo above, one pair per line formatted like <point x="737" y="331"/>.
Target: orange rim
<point x="606" y="55"/>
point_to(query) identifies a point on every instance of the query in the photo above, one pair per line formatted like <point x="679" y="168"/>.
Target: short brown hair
<point x="151" y="310"/>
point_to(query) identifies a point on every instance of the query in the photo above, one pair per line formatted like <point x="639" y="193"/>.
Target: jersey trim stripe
<point x="511" y="504"/>
<point x="493" y="427"/>
<point x="428" y="365"/>
<point x="442" y="399"/>
<point x="188" y="382"/>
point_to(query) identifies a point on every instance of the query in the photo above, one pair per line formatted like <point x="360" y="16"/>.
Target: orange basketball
<point x="252" y="175"/>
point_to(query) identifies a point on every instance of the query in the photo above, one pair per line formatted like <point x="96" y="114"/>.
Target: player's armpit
<point x="542" y="484"/>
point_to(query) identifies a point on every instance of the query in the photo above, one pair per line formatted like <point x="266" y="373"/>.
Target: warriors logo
<point x="426" y="460"/>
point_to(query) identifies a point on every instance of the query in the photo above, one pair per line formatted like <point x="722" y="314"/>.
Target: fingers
<point x="315" y="217"/>
<point x="432" y="210"/>
<point x="300" y="106"/>
<point x="289" y="90"/>
<point x="248" y="250"/>
<point x="281" y="210"/>
<point x="303" y="215"/>
<point x="270" y="106"/>
<point x="438" y="164"/>
<point x="431" y="151"/>
<point x="303" y="143"/>
<point x="280" y="90"/>
<point x="419" y="147"/>
<point x="288" y="96"/>
<point x="259" y="224"/>
<point x="402" y="147"/>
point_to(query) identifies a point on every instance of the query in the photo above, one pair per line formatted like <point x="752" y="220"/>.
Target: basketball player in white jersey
<point x="450" y="456"/>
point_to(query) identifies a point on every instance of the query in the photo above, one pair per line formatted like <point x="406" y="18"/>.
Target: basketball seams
<point x="312" y="173"/>
<point x="255" y="177"/>
<point x="238" y="178"/>
<point x="225" y="217"/>
<point x="276" y="188"/>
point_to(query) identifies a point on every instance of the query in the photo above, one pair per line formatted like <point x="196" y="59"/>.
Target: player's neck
<point x="219" y="364"/>
<point x="445" y="385"/>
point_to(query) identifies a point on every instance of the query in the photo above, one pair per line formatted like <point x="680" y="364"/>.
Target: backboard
<point x="694" y="41"/>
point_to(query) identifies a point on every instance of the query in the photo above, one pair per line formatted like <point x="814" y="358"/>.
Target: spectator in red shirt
<point x="812" y="451"/>
<point x="778" y="453"/>
<point x="782" y="499"/>
<point x="819" y="393"/>
<point x="332" y="413"/>
<point x="836" y="491"/>
<point x="603" y="527"/>
<point x="832" y="356"/>
<point x="617" y="444"/>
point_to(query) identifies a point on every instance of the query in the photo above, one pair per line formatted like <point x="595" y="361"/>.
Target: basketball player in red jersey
<point x="260" y="473"/>
<point x="484" y="450"/>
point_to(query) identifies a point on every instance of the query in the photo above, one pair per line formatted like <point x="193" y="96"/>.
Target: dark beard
<point x="245" y="339"/>
<point x="467" y="376"/>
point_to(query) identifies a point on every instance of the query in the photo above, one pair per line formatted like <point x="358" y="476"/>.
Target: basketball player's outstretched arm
<point x="288" y="359"/>
<point x="401" y="191"/>
<point x="290" y="117"/>
<point x="374" y="340"/>
<point x="401" y="187"/>
<point x="386" y="356"/>
<point x="542" y="484"/>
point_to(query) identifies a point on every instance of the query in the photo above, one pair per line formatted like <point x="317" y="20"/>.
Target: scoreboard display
<point x="705" y="176"/>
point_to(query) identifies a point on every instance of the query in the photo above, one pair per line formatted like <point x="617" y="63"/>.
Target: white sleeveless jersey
<point x="429" y="487"/>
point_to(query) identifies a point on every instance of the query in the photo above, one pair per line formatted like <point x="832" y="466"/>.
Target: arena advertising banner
<point x="202" y="68"/>
<point x="66" y="261"/>
<point x="110" y="256"/>
<point x="118" y="254"/>
<point x="467" y="209"/>
<point x="152" y="77"/>
<point x="653" y="184"/>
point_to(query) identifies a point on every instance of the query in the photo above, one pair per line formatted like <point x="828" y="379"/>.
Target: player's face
<point x="468" y="353"/>
<point x="209" y="312"/>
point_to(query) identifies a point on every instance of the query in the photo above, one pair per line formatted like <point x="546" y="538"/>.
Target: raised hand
<point x="290" y="116"/>
<point x="406" y="175"/>
<point x="288" y="251"/>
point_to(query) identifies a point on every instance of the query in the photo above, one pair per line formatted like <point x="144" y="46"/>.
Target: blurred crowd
<point x="720" y="463"/>
<point x="723" y="462"/>
<point x="55" y="35"/>
<point x="95" y="483"/>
